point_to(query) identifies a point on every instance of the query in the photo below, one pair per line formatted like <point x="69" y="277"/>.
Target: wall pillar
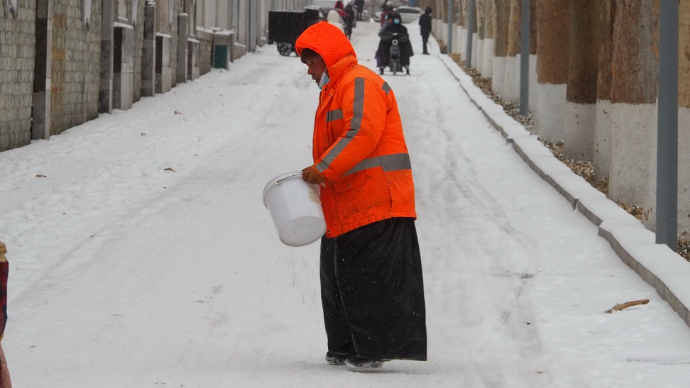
<point x="193" y="71"/>
<point x="105" y="92"/>
<point x="44" y="47"/>
<point x="123" y="67"/>
<point x="182" y="40"/>
<point x="148" y="55"/>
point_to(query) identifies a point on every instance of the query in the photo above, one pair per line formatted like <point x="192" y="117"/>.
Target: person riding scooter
<point x="393" y="30"/>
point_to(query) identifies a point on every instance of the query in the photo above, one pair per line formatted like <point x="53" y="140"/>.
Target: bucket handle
<point x="288" y="177"/>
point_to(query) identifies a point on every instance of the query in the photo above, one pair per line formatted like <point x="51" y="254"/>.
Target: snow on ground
<point x="126" y="274"/>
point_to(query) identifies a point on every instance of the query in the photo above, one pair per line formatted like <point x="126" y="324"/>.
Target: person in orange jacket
<point x="371" y="273"/>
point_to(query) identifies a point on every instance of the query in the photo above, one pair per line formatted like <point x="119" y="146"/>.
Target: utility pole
<point x="470" y="32"/>
<point x="667" y="129"/>
<point x="450" y="26"/>
<point x="524" y="58"/>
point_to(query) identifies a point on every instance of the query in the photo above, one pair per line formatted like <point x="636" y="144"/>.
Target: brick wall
<point x="75" y="65"/>
<point x="17" y="40"/>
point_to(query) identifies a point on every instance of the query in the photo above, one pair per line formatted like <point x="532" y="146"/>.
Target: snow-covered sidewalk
<point x="144" y="257"/>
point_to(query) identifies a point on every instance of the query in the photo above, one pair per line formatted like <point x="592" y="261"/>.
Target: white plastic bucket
<point x="295" y="208"/>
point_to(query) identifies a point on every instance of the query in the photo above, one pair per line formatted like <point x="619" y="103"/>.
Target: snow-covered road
<point x="125" y="274"/>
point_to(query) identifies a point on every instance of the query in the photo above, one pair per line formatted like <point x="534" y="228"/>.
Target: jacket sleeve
<point x="364" y="109"/>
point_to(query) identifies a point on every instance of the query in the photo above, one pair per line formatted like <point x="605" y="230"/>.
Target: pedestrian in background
<point x="372" y="290"/>
<point x="350" y="20"/>
<point x="425" y="29"/>
<point x="385" y="10"/>
<point x="359" y="6"/>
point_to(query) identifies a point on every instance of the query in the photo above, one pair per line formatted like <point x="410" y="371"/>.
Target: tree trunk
<point x="533" y="27"/>
<point x="501" y="21"/>
<point x="582" y="80"/>
<point x="553" y="42"/>
<point x="481" y="36"/>
<point x="602" y="134"/>
<point x="487" y="69"/>
<point x="634" y="67"/>
<point x="533" y="84"/>
<point x="684" y="120"/>
<point x="475" y="38"/>
<point x="511" y="90"/>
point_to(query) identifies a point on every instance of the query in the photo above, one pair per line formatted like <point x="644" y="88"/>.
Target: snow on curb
<point x="656" y="264"/>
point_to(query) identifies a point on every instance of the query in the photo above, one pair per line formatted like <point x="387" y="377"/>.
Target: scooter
<point x="395" y="56"/>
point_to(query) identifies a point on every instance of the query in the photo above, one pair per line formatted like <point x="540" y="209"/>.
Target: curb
<point x="656" y="264"/>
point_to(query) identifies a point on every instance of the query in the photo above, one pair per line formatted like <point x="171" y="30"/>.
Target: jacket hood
<point x="327" y="41"/>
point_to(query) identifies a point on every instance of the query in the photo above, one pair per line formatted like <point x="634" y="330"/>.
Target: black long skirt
<point x="372" y="292"/>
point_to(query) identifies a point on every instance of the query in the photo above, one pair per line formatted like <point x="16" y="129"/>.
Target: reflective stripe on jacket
<point x="359" y="145"/>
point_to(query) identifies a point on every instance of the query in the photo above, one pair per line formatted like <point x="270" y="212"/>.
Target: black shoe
<point x="407" y="70"/>
<point x="336" y="358"/>
<point x="359" y="364"/>
<point x="381" y="70"/>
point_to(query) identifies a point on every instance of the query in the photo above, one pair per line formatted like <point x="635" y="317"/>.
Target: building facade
<point x="63" y="62"/>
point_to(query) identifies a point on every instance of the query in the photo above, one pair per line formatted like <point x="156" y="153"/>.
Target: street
<point x="143" y="255"/>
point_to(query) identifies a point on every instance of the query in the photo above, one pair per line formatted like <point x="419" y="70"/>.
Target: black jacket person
<point x="425" y="28"/>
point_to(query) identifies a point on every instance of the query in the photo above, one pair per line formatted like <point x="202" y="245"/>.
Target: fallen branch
<point x="622" y="306"/>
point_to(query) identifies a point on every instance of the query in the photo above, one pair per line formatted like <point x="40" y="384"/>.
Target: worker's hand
<point x="312" y="175"/>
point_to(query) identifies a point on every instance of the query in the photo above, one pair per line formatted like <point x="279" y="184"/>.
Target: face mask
<point x="396" y="21"/>
<point x="324" y="80"/>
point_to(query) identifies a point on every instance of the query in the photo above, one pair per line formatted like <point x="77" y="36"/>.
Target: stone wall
<point x="57" y="59"/>
<point x="205" y="49"/>
<point x="167" y="27"/>
<point x="17" y="51"/>
<point x="75" y="65"/>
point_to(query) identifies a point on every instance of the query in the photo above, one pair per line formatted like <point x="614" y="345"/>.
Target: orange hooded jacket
<point x="359" y="146"/>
